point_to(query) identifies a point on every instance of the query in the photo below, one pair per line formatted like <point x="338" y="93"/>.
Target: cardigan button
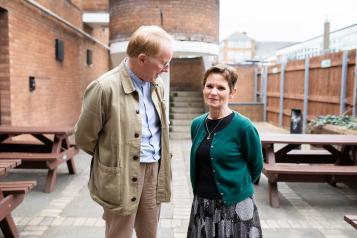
<point x="133" y="199"/>
<point x="135" y="157"/>
<point x="137" y="111"/>
<point x="136" y="135"/>
<point x="134" y="179"/>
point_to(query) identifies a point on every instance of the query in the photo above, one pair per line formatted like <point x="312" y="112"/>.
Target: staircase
<point x="184" y="106"/>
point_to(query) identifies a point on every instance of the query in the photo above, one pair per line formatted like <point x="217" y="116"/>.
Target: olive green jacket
<point x="109" y="129"/>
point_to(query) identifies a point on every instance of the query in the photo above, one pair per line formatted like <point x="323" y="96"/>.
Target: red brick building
<point x="50" y="50"/>
<point x="193" y="24"/>
<point x="30" y="33"/>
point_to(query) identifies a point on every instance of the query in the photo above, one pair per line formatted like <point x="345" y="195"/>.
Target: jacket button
<point x="135" y="157"/>
<point x="136" y="135"/>
<point x="133" y="199"/>
<point x="137" y="111"/>
<point x="134" y="179"/>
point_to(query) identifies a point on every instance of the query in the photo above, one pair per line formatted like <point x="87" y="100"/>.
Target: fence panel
<point x="324" y="84"/>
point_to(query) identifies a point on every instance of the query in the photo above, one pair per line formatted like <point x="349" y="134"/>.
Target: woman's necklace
<point x="210" y="132"/>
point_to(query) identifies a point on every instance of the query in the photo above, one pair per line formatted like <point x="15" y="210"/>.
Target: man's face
<point x="153" y="66"/>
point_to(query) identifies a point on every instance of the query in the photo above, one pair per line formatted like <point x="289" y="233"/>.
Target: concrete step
<point x="180" y="135"/>
<point x="180" y="129"/>
<point x="178" y="122"/>
<point x="186" y="116"/>
<point x="185" y="99"/>
<point x="185" y="94"/>
<point x="186" y="104"/>
<point x="187" y="109"/>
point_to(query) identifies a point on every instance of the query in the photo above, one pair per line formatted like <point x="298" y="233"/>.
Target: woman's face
<point x="216" y="92"/>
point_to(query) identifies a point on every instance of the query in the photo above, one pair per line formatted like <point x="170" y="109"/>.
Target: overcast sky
<point x="284" y="20"/>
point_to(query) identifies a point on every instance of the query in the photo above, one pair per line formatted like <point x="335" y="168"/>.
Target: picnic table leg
<point x="8" y="227"/>
<point x="7" y="223"/>
<point x="51" y="180"/>
<point x="71" y="166"/>
<point x="273" y="194"/>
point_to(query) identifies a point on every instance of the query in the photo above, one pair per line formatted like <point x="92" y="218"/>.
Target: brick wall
<point x="185" y="19"/>
<point x="64" y="8"/>
<point x="95" y="5"/>
<point x="186" y="74"/>
<point x="59" y="85"/>
<point x="245" y="84"/>
<point x="4" y="69"/>
<point x="254" y="111"/>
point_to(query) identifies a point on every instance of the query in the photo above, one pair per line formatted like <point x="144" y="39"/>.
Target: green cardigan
<point x="236" y="157"/>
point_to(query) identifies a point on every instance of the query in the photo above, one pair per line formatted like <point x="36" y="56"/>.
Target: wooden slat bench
<point x="286" y="172"/>
<point x="44" y="160"/>
<point x="11" y="195"/>
<point x="17" y="187"/>
<point x="307" y="156"/>
<point x="351" y="219"/>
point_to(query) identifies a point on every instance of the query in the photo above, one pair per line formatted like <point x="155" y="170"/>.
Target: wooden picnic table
<point x="332" y="162"/>
<point x="11" y="195"/>
<point x="40" y="148"/>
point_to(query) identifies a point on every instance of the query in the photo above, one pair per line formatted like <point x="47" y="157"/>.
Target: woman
<point x="226" y="159"/>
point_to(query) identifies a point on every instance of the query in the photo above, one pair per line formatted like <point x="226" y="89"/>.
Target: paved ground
<point x="307" y="209"/>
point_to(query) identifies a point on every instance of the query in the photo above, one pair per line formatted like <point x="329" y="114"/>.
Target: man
<point x="123" y="126"/>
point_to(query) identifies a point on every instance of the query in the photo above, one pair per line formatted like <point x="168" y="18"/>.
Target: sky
<point x="284" y="20"/>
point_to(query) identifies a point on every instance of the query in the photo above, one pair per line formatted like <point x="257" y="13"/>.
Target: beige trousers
<point x="146" y="218"/>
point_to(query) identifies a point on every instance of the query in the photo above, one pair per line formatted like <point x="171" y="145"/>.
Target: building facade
<point x="48" y="55"/>
<point x="236" y="48"/>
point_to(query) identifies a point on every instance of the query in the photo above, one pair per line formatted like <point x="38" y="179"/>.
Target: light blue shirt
<point x="151" y="129"/>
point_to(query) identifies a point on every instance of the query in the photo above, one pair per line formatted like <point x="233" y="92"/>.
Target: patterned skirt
<point x="213" y="219"/>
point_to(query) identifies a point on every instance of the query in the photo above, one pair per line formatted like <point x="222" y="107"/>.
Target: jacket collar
<point x="127" y="83"/>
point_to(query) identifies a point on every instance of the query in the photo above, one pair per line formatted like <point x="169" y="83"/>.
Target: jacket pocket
<point x="107" y="183"/>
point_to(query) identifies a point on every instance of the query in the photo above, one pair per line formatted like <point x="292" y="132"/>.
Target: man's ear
<point x="233" y="93"/>
<point x="141" y="58"/>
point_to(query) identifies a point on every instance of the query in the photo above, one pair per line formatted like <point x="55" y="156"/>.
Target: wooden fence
<point x="317" y="86"/>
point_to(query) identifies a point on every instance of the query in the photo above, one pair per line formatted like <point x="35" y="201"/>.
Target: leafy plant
<point x="346" y="121"/>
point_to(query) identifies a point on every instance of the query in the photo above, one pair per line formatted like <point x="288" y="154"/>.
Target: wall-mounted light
<point x="32" y="83"/>
<point x="59" y="45"/>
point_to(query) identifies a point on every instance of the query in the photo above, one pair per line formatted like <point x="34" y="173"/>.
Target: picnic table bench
<point x="351" y="219"/>
<point x="40" y="148"/>
<point x="287" y="164"/>
<point x="12" y="193"/>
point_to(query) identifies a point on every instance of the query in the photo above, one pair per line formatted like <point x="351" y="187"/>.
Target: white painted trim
<point x="96" y="18"/>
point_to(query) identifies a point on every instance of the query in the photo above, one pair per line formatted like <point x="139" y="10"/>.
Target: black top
<point x="205" y="181"/>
